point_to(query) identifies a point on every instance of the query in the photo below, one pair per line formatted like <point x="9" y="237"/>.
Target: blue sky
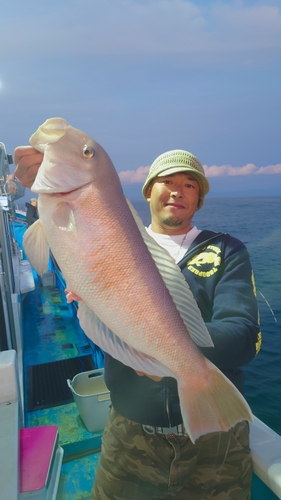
<point x="144" y="77"/>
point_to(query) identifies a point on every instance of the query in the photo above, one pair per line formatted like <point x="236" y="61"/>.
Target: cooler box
<point x="92" y="398"/>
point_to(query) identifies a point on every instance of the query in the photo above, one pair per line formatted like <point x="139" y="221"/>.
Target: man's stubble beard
<point x="172" y="222"/>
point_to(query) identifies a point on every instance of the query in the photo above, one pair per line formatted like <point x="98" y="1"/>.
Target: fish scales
<point x="99" y="272"/>
<point x="133" y="296"/>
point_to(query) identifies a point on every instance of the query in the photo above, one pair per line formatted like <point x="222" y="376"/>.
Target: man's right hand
<point x="153" y="377"/>
<point x="27" y="161"/>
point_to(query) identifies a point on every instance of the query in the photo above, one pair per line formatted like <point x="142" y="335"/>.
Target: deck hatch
<point x="47" y="382"/>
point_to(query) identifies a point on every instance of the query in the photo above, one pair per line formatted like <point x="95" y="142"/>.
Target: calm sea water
<point x="256" y="222"/>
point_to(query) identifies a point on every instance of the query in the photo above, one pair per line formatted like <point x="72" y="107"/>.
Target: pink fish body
<point x="135" y="302"/>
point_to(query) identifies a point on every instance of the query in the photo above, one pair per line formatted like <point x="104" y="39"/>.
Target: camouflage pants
<point x="135" y="465"/>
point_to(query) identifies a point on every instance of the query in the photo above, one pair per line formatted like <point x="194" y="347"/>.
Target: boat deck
<point x="52" y="334"/>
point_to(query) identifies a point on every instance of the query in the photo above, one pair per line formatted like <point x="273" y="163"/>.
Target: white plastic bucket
<point x="92" y="398"/>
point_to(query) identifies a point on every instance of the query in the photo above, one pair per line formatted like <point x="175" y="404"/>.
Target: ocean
<point x="257" y="222"/>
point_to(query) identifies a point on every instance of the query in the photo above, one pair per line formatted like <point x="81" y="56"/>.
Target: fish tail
<point x="216" y="406"/>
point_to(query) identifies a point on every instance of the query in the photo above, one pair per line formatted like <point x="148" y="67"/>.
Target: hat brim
<point x="200" y="178"/>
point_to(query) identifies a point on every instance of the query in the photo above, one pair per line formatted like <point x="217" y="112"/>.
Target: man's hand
<point x="71" y="296"/>
<point x="153" y="377"/>
<point x="27" y="161"/>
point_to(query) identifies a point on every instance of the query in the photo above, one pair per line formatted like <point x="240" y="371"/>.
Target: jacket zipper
<point x="167" y="408"/>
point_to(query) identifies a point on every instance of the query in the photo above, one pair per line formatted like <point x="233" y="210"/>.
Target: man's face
<point x="173" y="201"/>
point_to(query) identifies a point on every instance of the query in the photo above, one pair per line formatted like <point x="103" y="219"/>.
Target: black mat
<point x="47" y="384"/>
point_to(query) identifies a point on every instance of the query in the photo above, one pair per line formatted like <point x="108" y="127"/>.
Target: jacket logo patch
<point x="206" y="263"/>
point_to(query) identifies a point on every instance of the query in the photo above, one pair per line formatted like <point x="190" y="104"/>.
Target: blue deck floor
<point x="52" y="333"/>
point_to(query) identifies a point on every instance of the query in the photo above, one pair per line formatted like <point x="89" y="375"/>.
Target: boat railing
<point x="266" y="455"/>
<point x="11" y="420"/>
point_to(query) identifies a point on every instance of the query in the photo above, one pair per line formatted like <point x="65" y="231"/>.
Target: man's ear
<point x="148" y="193"/>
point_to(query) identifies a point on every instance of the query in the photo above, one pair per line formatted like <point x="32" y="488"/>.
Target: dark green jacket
<point x="218" y="270"/>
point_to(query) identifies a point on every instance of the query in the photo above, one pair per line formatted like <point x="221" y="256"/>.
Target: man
<point x="146" y="453"/>
<point x="31" y="211"/>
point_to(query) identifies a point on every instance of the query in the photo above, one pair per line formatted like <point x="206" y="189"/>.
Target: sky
<point x="146" y="76"/>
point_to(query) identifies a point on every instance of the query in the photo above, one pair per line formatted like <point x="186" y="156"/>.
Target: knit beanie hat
<point x="176" y="161"/>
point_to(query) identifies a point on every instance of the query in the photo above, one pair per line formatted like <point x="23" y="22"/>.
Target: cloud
<point x="249" y="169"/>
<point x="270" y="169"/>
<point x="228" y="170"/>
<point x="139" y="175"/>
<point x="152" y="27"/>
<point x="132" y="176"/>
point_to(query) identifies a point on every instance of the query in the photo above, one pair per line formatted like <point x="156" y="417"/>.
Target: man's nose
<point x="176" y="192"/>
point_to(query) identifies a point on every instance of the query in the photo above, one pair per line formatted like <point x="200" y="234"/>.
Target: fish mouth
<point x="53" y="189"/>
<point x="51" y="131"/>
<point x="58" y="171"/>
<point x="51" y="186"/>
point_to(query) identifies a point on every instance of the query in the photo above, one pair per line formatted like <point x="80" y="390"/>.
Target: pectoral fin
<point x="36" y="247"/>
<point x="64" y="218"/>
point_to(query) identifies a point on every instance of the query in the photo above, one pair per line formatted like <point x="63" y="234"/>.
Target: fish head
<point x="72" y="159"/>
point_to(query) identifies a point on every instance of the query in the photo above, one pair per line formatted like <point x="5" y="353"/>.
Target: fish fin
<point x="36" y="247"/>
<point x="102" y="336"/>
<point x="178" y="287"/>
<point x="64" y="218"/>
<point x="213" y="405"/>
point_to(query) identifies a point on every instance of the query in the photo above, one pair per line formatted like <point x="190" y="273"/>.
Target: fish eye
<point x="88" y="152"/>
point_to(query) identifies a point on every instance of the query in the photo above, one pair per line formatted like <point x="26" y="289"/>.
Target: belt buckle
<point x="149" y="429"/>
<point x="171" y="432"/>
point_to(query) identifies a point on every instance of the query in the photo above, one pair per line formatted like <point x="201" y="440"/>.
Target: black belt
<point x="177" y="430"/>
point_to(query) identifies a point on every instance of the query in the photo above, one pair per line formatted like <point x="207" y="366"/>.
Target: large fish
<point x="135" y="303"/>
